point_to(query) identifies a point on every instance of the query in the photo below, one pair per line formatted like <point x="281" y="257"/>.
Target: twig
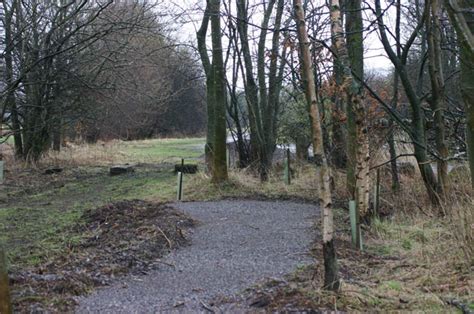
<point x="164" y="235"/>
<point x="206" y="306"/>
<point x="166" y="263"/>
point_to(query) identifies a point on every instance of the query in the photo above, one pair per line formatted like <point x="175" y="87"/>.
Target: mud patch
<point x="113" y="240"/>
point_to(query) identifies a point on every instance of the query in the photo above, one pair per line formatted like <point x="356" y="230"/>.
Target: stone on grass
<point x="53" y="170"/>
<point x="121" y="169"/>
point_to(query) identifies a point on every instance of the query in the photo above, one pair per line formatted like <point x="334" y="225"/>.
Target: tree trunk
<point x="353" y="89"/>
<point x="355" y="50"/>
<point x="10" y="98"/>
<point x="301" y="149"/>
<point x="262" y="99"/>
<point x="340" y="143"/>
<point x="331" y="279"/>
<point x="5" y="302"/>
<point x="417" y="131"/>
<point x="391" y="137"/>
<point x="219" y="171"/>
<point x="437" y="94"/>
<point x="462" y="17"/>
<point x="202" y="48"/>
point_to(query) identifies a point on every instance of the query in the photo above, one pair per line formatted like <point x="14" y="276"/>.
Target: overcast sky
<point x="188" y="15"/>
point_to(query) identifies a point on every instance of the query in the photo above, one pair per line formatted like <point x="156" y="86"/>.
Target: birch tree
<point x="331" y="279"/>
<point x="353" y="91"/>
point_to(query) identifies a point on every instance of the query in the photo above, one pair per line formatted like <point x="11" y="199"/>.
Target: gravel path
<point x="236" y="244"/>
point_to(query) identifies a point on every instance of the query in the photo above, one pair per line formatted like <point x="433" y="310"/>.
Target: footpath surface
<point x="234" y="245"/>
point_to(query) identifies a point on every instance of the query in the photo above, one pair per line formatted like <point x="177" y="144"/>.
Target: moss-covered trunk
<point x="355" y="50"/>
<point x="219" y="168"/>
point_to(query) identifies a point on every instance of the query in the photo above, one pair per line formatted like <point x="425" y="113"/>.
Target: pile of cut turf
<point x="116" y="239"/>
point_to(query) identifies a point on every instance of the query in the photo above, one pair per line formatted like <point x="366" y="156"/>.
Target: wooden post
<point x="1" y="170"/>
<point x="353" y="219"/>
<point x="227" y="155"/>
<point x="179" y="194"/>
<point x="288" y="157"/>
<point x="5" y="301"/>
<point x="377" y="194"/>
<point x="286" y="169"/>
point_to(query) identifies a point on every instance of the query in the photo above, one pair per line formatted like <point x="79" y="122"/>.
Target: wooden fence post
<point x="377" y="194"/>
<point x="179" y="194"/>
<point x="287" y="168"/>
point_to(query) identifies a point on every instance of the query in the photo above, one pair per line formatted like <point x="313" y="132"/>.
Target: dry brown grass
<point x="244" y="183"/>
<point x="73" y="155"/>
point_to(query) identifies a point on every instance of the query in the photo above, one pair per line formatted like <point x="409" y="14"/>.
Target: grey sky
<point x="189" y="14"/>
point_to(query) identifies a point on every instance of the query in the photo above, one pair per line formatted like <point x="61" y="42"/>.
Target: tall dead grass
<point x="102" y="153"/>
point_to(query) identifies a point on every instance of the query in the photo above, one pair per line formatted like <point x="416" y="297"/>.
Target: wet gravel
<point x="236" y="244"/>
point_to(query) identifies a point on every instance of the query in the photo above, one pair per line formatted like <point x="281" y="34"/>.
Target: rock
<point x="186" y="168"/>
<point x="121" y="169"/>
<point x="53" y="170"/>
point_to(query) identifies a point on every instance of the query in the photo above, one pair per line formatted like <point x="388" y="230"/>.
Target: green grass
<point x="161" y="150"/>
<point x="393" y="285"/>
<point x="37" y="225"/>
